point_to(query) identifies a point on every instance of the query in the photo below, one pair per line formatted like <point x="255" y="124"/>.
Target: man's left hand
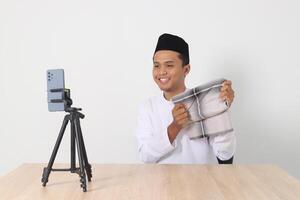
<point x="227" y="93"/>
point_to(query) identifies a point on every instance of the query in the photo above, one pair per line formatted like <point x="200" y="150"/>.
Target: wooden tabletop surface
<point x="150" y="181"/>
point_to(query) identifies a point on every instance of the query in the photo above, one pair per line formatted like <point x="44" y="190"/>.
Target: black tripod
<point x="84" y="168"/>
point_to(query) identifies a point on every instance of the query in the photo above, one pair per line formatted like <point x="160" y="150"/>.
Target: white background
<point x="106" y="49"/>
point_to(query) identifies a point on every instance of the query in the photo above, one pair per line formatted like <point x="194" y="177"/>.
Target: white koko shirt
<point x="154" y="117"/>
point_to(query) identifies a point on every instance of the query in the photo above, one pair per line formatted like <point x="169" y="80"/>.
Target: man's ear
<point x="186" y="69"/>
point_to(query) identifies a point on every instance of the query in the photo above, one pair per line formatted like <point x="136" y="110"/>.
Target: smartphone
<point x="55" y="90"/>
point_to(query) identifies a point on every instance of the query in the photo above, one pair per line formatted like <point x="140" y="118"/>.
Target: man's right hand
<point x="180" y="120"/>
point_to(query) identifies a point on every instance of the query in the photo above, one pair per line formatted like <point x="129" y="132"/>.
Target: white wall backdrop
<point x="106" y="49"/>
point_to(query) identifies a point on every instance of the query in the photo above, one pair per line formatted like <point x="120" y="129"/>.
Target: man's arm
<point x="152" y="146"/>
<point x="224" y="147"/>
<point x="180" y="120"/>
<point x="227" y="94"/>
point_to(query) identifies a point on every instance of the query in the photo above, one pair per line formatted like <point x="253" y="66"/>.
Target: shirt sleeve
<point x="151" y="146"/>
<point x="223" y="145"/>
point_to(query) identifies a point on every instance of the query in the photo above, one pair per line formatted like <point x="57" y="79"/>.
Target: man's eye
<point x="170" y="65"/>
<point x="155" y="66"/>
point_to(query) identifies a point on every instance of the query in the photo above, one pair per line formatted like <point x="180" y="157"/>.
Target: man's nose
<point x="162" y="71"/>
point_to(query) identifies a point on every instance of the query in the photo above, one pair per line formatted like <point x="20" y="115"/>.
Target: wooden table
<point x="112" y="181"/>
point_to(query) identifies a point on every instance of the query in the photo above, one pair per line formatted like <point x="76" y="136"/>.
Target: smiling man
<point x="160" y="130"/>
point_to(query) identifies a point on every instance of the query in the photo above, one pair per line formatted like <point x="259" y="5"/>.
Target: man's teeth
<point x="163" y="79"/>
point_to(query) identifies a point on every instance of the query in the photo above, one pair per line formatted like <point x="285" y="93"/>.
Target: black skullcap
<point x="174" y="43"/>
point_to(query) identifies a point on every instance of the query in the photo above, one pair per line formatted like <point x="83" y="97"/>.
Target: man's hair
<point x="184" y="60"/>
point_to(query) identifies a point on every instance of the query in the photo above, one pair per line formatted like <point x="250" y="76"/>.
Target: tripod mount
<point x="84" y="170"/>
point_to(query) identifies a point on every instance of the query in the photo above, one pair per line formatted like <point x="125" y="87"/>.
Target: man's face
<point x="168" y="72"/>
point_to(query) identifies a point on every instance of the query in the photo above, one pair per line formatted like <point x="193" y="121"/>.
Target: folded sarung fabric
<point x="208" y="112"/>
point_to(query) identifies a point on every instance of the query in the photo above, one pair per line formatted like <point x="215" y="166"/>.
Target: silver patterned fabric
<point x="208" y="112"/>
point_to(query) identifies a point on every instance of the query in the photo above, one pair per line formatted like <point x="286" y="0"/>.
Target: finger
<point x="228" y="92"/>
<point x="182" y="116"/>
<point x="180" y="111"/>
<point x="224" y="94"/>
<point x="183" y="106"/>
<point x="229" y="88"/>
<point x="229" y="99"/>
<point x="177" y="106"/>
<point x="225" y="87"/>
<point x="227" y="82"/>
<point x="185" y="122"/>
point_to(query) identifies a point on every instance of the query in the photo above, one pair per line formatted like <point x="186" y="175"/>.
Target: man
<point x="160" y="130"/>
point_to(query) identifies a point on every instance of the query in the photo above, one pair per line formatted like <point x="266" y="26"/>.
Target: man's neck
<point x="169" y="95"/>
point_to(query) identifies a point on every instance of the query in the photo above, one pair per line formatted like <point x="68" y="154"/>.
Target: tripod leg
<point x="47" y="170"/>
<point x="80" y="157"/>
<point x="88" y="167"/>
<point x="73" y="152"/>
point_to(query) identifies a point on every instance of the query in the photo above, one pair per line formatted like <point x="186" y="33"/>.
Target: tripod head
<point x="68" y="100"/>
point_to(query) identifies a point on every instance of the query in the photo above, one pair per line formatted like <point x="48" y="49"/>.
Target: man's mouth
<point x="163" y="80"/>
